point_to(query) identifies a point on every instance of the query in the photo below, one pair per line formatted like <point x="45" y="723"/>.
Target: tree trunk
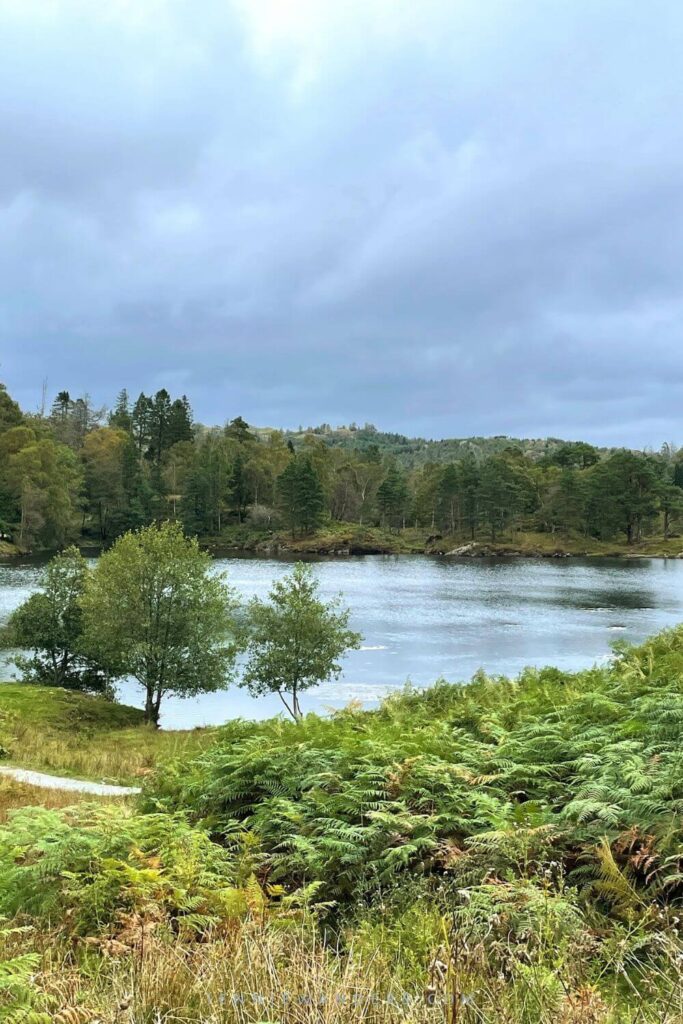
<point x="152" y="705"/>
<point x="296" y="707"/>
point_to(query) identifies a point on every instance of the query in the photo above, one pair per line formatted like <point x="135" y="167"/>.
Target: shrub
<point x="88" y="869"/>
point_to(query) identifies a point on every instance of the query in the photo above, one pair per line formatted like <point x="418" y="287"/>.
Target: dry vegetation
<point x="68" y="733"/>
<point x="14" y="795"/>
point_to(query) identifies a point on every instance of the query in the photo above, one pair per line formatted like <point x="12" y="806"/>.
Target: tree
<point x="561" y="500"/>
<point x="179" y="421"/>
<point x="449" y="495"/>
<point x="40" y="482"/>
<point x="141" y="423"/>
<point x="73" y="419"/>
<point x="238" y="430"/>
<point x="120" y="417"/>
<point x="239" y="486"/>
<point x="671" y="506"/>
<point x="310" y="497"/>
<point x="103" y="458"/>
<point x="300" y="495"/>
<point x="195" y="502"/>
<point x="392" y="498"/>
<point x="155" y="612"/>
<point x="574" y="455"/>
<point x="159" y="425"/>
<point x="504" y="488"/>
<point x="50" y="623"/>
<point x="622" y="495"/>
<point x="10" y="413"/>
<point x="295" y="640"/>
<point x="470" y="481"/>
<point x="61" y="407"/>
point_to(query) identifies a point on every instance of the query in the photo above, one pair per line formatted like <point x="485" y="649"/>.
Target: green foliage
<point x="505" y="776"/>
<point x="295" y="639"/>
<point x="88" y="869"/>
<point x="509" y="850"/>
<point x="392" y="498"/>
<point x="68" y="473"/>
<point x="300" y="496"/>
<point x="10" y="413"/>
<point x="50" y="622"/>
<point x="20" y="1003"/>
<point x="105" y="458"/>
<point x="623" y="493"/>
<point x="153" y="610"/>
<point x="40" y="481"/>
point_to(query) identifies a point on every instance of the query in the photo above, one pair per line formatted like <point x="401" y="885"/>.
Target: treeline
<point x="79" y="471"/>
<point x="414" y="452"/>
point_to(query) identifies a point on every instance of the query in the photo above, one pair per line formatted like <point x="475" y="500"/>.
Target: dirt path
<point x="59" y="782"/>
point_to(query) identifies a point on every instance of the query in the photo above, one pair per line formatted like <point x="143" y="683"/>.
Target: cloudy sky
<point x="449" y="217"/>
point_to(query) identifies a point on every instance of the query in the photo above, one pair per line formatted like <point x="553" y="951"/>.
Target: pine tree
<point x="194" y="504"/>
<point x="392" y="498"/>
<point x="120" y="416"/>
<point x="449" y="493"/>
<point x="159" y="425"/>
<point x="141" y="423"/>
<point x="470" y="484"/>
<point x="239" y="486"/>
<point x="179" y="422"/>
<point x="311" y="499"/>
<point x="300" y="496"/>
<point x="286" y="495"/>
<point x="238" y="430"/>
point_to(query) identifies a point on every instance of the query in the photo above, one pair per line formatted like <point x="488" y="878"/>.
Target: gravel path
<point x="74" y="785"/>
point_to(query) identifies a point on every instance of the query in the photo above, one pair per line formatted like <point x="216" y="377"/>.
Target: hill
<point x="413" y="452"/>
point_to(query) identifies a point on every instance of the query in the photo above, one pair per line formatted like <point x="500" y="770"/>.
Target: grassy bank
<point x="350" y="539"/>
<point x="343" y="539"/>
<point x="334" y="538"/>
<point x="67" y="733"/>
<point x="546" y="545"/>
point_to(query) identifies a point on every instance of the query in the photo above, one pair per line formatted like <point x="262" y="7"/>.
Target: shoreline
<point x="411" y="542"/>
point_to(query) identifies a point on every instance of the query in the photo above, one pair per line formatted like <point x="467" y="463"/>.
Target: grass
<point x="66" y="733"/>
<point x="15" y="795"/>
<point x="262" y="972"/>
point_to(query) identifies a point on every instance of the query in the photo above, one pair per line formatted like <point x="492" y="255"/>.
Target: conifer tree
<point x="120" y="415"/>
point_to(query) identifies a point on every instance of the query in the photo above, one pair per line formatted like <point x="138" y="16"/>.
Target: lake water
<point x="424" y="618"/>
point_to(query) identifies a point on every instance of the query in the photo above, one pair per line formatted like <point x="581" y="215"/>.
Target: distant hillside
<point x="412" y="452"/>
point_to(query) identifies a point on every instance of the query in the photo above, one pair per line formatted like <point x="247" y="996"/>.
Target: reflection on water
<point x="422" y="618"/>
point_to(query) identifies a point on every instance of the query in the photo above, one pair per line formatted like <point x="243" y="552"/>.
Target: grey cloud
<point x="445" y="218"/>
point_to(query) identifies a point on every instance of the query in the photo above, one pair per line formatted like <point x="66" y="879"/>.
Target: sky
<point x="447" y="218"/>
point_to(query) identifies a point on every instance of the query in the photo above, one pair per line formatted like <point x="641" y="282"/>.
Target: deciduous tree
<point x="50" y="623"/>
<point x="295" y="640"/>
<point x="153" y="610"/>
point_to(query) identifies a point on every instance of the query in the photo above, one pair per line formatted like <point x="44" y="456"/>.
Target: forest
<point x="74" y="472"/>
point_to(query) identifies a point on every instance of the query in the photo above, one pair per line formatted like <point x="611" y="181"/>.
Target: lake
<point x="423" y="618"/>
